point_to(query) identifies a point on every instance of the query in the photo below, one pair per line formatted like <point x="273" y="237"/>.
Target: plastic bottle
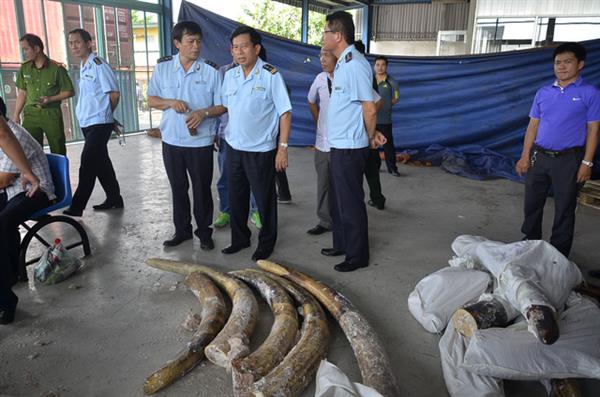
<point x="57" y="252"/>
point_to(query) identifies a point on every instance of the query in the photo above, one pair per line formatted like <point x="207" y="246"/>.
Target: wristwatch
<point x="588" y="163"/>
<point x="283" y="144"/>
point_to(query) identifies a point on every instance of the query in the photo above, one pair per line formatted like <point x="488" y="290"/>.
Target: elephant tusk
<point x="281" y="338"/>
<point x="299" y="367"/>
<point x="232" y="341"/>
<point x="213" y="316"/>
<point x="372" y="359"/>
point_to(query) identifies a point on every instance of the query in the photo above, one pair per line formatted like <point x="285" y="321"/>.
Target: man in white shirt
<point x="318" y="103"/>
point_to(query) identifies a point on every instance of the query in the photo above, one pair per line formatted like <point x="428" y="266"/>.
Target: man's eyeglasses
<point x="329" y="31"/>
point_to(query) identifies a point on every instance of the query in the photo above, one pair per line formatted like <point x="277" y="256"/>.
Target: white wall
<point x="415" y="48"/>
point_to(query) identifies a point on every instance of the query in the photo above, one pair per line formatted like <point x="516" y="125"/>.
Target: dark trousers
<point x="349" y="215"/>
<point x="12" y="213"/>
<point x="372" y="166"/>
<point x="256" y="171"/>
<point x="560" y="173"/>
<point x="95" y="163"/>
<point x="197" y="162"/>
<point x="283" y="186"/>
<point x="388" y="148"/>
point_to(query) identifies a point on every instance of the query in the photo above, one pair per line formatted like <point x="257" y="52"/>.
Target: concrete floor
<point x="101" y="332"/>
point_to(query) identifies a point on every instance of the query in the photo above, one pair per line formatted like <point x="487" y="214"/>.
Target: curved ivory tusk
<point x="371" y="356"/>
<point x="232" y="341"/>
<point x="298" y="368"/>
<point x="213" y="317"/>
<point x="285" y="326"/>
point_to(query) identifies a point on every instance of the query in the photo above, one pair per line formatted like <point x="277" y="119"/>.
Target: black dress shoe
<point x="331" y="252"/>
<point x="232" y="249"/>
<point x="73" y="212"/>
<point x="207" y="244"/>
<point x="348" y="267"/>
<point x="315" y="231"/>
<point x="395" y="173"/>
<point x="7" y="316"/>
<point x="379" y="206"/>
<point x="109" y="204"/>
<point x="261" y="254"/>
<point x="175" y="240"/>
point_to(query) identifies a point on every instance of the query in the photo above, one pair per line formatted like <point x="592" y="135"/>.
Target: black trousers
<point x="12" y="214"/>
<point x="388" y="148"/>
<point x="283" y="186"/>
<point x="349" y="215"/>
<point x="256" y="171"/>
<point x="560" y="173"/>
<point x="95" y="163"/>
<point x="197" y="163"/>
<point x="372" y="166"/>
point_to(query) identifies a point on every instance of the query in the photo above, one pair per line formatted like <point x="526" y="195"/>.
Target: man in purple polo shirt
<point x="559" y="146"/>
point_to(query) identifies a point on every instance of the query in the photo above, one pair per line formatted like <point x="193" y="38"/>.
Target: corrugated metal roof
<point x="418" y="21"/>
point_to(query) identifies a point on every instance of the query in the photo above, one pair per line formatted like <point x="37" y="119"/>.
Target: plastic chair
<point x="59" y="168"/>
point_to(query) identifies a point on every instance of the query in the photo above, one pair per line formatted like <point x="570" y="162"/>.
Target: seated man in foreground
<point x="18" y="201"/>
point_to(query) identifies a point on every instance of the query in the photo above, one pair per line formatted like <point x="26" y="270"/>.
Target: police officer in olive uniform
<point x="97" y="100"/>
<point x="43" y="84"/>
<point x="259" y="107"/>
<point x="187" y="89"/>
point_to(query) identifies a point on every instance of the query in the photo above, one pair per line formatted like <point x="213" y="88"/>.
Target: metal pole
<point x="167" y="25"/>
<point x="366" y="31"/>
<point x="305" y="21"/>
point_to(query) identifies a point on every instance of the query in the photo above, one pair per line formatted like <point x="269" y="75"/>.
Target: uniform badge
<point x="97" y="61"/>
<point x="348" y="57"/>
<point x="270" y="68"/>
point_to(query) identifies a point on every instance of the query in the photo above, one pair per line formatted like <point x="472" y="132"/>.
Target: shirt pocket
<point x="258" y="100"/>
<point x="169" y="89"/>
<point x="50" y="87"/>
<point x="229" y="97"/>
<point x="201" y="94"/>
<point x="339" y="94"/>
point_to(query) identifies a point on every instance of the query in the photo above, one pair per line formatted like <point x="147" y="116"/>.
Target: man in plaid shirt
<point x="18" y="200"/>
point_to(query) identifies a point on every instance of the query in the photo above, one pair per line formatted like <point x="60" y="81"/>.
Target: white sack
<point x="530" y="272"/>
<point x="459" y="381"/>
<point x="436" y="297"/>
<point x="332" y="382"/>
<point x="513" y="353"/>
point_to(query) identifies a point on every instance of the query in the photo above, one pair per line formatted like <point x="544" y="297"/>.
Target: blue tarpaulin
<point x="467" y="106"/>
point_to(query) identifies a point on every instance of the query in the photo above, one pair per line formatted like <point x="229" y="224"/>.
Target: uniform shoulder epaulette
<point x="230" y="66"/>
<point x="348" y="57"/>
<point x="211" y="63"/>
<point x="97" y="61"/>
<point x="59" y="64"/>
<point x="164" y="59"/>
<point x="270" y="68"/>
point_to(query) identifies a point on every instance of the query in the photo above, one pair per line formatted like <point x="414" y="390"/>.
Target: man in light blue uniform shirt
<point x="187" y="89"/>
<point x="98" y="98"/>
<point x="222" y="219"/>
<point x="259" y="107"/>
<point x="350" y="132"/>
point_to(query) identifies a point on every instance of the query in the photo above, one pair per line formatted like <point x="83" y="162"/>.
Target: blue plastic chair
<point x="59" y="168"/>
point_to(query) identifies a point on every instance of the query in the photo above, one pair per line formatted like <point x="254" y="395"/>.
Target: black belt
<point x="557" y="153"/>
